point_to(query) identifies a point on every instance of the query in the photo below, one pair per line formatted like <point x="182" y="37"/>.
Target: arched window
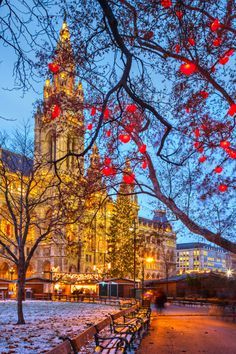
<point x="51" y="146"/>
<point x="71" y="147"/>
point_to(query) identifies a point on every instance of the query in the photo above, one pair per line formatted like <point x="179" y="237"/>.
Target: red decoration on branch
<point x="90" y="126"/>
<point x="222" y="188"/>
<point x="191" y="41"/>
<point x="187" y="110"/>
<point x="144" y="164"/>
<point x="223" y="60"/>
<point x="108" y="133"/>
<point x="93" y="111"/>
<point x="129" y="179"/>
<point x="142" y="148"/>
<point x="232" y="110"/>
<point x="215" y="25"/>
<point x="197" y="133"/>
<point x="197" y="144"/>
<point x="177" y="48"/>
<point x="56" y="111"/>
<point x="231" y="153"/>
<point x="201" y="149"/>
<point x="107" y="161"/>
<point x="224" y="144"/>
<point x="179" y="14"/>
<point x="148" y="35"/>
<point x="218" y="169"/>
<point x="202" y="159"/>
<point x="166" y="3"/>
<point x="54" y="68"/>
<point x="131" y="108"/>
<point x="106" y="113"/>
<point x="108" y="171"/>
<point x="124" y="138"/>
<point x="229" y="52"/>
<point x="217" y="42"/>
<point x="204" y="94"/>
<point x="188" y="68"/>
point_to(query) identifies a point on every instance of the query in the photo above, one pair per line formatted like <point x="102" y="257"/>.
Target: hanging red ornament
<point x="224" y="144"/>
<point x="166" y="3"/>
<point x="93" y="111"/>
<point x="187" y="109"/>
<point x="218" y="169"/>
<point x="107" y="161"/>
<point x="213" y="69"/>
<point x="197" y="133"/>
<point x="231" y="153"/>
<point x="179" y="14"/>
<point x="217" y="42"/>
<point x="148" y="35"/>
<point x="232" y="110"/>
<point x="223" y="60"/>
<point x="191" y="41"/>
<point x="106" y="113"/>
<point x="177" y="48"/>
<point x="142" y="148"/>
<point x="204" y="94"/>
<point x="144" y="164"/>
<point x="229" y="52"/>
<point x="90" y="126"/>
<point x="129" y="179"/>
<point x="130" y="127"/>
<point x="108" y="133"/>
<point x="197" y="144"/>
<point x="222" y="188"/>
<point x="56" y="111"/>
<point x="215" y="25"/>
<point x="131" y="108"/>
<point x="204" y="127"/>
<point x="54" y="68"/>
<point x="188" y="68"/>
<point x="200" y="149"/>
<point x="108" y="171"/>
<point x="125" y="138"/>
<point x="202" y="159"/>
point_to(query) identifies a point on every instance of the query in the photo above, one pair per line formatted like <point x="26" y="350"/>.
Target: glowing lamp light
<point x="56" y="111"/>
<point x="90" y="126"/>
<point x="223" y="60"/>
<point x="142" y="148"/>
<point x="217" y="42"/>
<point x="224" y="144"/>
<point x="191" y="41"/>
<point x="166" y="3"/>
<point x="107" y="161"/>
<point x="197" y="133"/>
<point x="129" y="179"/>
<point x="215" y="25"/>
<point x="124" y="138"/>
<point x="232" y="110"/>
<point x="179" y="14"/>
<point x="222" y="188"/>
<point x="93" y="111"/>
<point x="177" y="48"/>
<point x="218" y="169"/>
<point x="131" y="108"/>
<point x="54" y="68"/>
<point x="108" y="133"/>
<point x="202" y="159"/>
<point x="148" y="35"/>
<point x="204" y="94"/>
<point x="188" y="68"/>
<point x="144" y="164"/>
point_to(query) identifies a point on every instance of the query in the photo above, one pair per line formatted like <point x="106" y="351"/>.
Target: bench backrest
<point x="63" y="348"/>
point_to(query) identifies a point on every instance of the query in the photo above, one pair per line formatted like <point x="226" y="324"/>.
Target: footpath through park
<point x="188" y="330"/>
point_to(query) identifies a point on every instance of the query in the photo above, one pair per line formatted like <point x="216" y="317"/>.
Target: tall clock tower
<point x="59" y="125"/>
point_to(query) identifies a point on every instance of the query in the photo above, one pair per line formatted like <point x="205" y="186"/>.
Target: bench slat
<point x="63" y="348"/>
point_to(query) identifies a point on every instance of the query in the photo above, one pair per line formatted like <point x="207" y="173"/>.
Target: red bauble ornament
<point x="213" y="69"/>
<point x="54" y="68"/>
<point x="129" y="179"/>
<point x="232" y="154"/>
<point x="142" y="148"/>
<point x="224" y="144"/>
<point x="232" y="110"/>
<point x="223" y="60"/>
<point x="166" y="3"/>
<point x="108" y="133"/>
<point x="187" y="110"/>
<point x="144" y="164"/>
<point x="217" y="42"/>
<point x="131" y="108"/>
<point x="107" y="161"/>
<point x="130" y="128"/>
<point x="56" y="111"/>
<point x="197" y="144"/>
<point x="229" y="52"/>
<point x="108" y="171"/>
<point x="106" y="114"/>
<point x="197" y="133"/>
<point x="204" y="94"/>
<point x="177" y="48"/>
<point x="90" y="126"/>
<point x="179" y="14"/>
<point x="202" y="159"/>
<point x="201" y="149"/>
<point x="148" y="35"/>
<point x="215" y="25"/>
<point x="191" y="41"/>
<point x="188" y="68"/>
<point x="93" y="111"/>
<point x="222" y="188"/>
<point x="218" y="169"/>
<point x="125" y="138"/>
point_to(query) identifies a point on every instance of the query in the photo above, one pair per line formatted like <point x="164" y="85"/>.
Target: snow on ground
<point x="46" y="321"/>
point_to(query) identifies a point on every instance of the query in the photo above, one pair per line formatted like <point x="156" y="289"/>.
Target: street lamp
<point x="148" y="260"/>
<point x="229" y="273"/>
<point x="134" y="254"/>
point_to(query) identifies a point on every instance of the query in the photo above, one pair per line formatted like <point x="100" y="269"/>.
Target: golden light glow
<point x="149" y="259"/>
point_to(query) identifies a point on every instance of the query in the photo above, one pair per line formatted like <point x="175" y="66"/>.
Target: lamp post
<point x="148" y="260"/>
<point x="134" y="255"/>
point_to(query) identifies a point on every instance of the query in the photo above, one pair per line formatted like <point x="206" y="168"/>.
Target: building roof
<point x="181" y="277"/>
<point x="16" y="162"/>
<point x="194" y="245"/>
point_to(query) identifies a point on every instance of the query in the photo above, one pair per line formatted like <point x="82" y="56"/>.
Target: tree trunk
<point x="20" y="293"/>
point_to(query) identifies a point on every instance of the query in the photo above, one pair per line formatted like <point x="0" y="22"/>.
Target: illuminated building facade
<point x="201" y="257"/>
